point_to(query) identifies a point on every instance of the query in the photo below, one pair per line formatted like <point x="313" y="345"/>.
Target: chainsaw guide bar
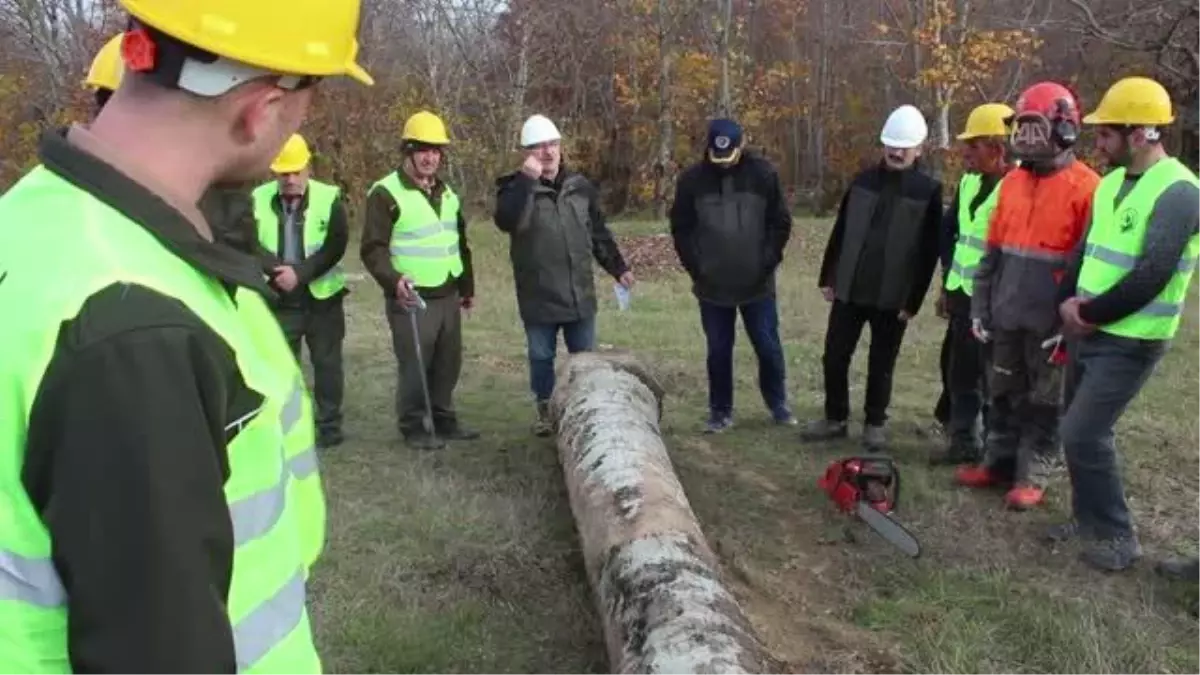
<point x="869" y="488"/>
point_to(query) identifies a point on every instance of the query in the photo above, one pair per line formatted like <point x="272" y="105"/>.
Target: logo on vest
<point x="1127" y="219"/>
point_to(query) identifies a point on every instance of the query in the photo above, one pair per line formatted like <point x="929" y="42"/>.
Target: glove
<point x="982" y="334"/>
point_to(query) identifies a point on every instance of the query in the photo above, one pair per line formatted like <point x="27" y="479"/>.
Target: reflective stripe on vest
<point x="321" y="198"/>
<point x="1115" y="241"/>
<point x="972" y="233"/>
<point x="94" y="247"/>
<point x="424" y="242"/>
<point x="303" y="491"/>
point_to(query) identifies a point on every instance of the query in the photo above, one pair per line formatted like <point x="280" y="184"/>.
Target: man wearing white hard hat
<point x="555" y="226"/>
<point x="878" y="265"/>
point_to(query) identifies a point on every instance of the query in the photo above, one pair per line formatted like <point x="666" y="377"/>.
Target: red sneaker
<point x="1024" y="497"/>
<point x="976" y="476"/>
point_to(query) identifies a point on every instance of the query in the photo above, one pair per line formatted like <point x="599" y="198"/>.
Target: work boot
<point x="718" y="422"/>
<point x="978" y="476"/>
<point x="823" y="430"/>
<point x="458" y="432"/>
<point x="1024" y="496"/>
<point x="784" y="417"/>
<point x="419" y="440"/>
<point x="874" y="437"/>
<point x="1112" y="555"/>
<point x="542" y="426"/>
<point x="330" y="438"/>
<point x="954" y="452"/>
<point x="1185" y="568"/>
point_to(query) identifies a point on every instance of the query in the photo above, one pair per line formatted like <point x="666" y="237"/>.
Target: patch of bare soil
<point x="797" y="607"/>
<point x="650" y="256"/>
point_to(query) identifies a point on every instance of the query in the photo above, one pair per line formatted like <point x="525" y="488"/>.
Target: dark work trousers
<point x="846" y="323"/>
<point x="1105" y="373"/>
<point x="941" y="410"/>
<point x="1026" y="393"/>
<point x="321" y="324"/>
<point x="966" y="375"/>
<point x="439" y="327"/>
<point x="761" y="321"/>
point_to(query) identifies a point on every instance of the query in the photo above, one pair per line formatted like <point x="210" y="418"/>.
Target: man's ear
<point x="254" y="108"/>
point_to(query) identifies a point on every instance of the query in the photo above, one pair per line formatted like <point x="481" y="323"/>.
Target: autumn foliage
<point x="632" y="82"/>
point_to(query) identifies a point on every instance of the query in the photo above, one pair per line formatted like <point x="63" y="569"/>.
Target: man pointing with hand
<point x="556" y="227"/>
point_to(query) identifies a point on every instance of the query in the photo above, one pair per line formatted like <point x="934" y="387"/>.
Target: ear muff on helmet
<point x="164" y="59"/>
<point x="1064" y="129"/>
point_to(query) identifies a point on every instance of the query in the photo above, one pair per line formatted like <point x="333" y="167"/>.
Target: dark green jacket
<point x="555" y="229"/>
<point x="229" y="210"/>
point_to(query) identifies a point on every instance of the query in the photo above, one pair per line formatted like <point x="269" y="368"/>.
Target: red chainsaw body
<point x="860" y="479"/>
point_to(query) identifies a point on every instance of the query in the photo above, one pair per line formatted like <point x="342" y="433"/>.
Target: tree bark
<point x="656" y="582"/>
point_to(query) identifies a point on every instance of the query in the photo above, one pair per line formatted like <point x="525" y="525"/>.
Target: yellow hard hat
<point x="425" y="127"/>
<point x="107" y="68"/>
<point x="989" y="119"/>
<point x="293" y="157"/>
<point x="1133" y="101"/>
<point x="299" y="37"/>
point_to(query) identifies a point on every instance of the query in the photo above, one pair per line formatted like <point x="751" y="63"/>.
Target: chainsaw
<point x="869" y="488"/>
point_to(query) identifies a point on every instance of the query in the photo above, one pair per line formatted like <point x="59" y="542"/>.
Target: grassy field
<point x="467" y="559"/>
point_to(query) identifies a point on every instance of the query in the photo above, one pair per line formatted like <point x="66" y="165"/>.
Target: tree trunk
<point x="656" y="582"/>
<point x="663" y="171"/>
<point x="726" y="97"/>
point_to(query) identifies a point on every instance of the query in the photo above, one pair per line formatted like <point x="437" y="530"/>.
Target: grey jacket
<point x="555" y="229"/>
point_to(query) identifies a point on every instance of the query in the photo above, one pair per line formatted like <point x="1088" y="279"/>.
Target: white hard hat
<point x="538" y="129"/>
<point x="904" y="128"/>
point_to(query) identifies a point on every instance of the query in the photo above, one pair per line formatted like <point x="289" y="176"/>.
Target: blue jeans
<point x="1104" y="374"/>
<point x="761" y="321"/>
<point x="542" y="340"/>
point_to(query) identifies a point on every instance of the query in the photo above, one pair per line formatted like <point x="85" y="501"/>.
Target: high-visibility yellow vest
<point x="304" y="493"/>
<point x="273" y="489"/>
<point x="424" y="242"/>
<point x="321" y="198"/>
<point x="972" y="233"/>
<point x="1115" y="241"/>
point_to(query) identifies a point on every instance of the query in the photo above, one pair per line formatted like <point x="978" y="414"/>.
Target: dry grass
<point x="467" y="560"/>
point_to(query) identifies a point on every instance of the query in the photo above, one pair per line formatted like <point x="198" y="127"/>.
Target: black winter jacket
<point x="730" y="228"/>
<point x="884" y="246"/>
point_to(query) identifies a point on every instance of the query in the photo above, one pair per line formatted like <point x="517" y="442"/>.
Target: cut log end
<point x="662" y="604"/>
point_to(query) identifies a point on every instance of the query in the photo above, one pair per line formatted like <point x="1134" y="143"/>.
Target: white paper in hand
<point x="622" y="294"/>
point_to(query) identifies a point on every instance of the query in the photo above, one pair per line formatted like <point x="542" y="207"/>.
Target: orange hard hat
<point x="1050" y="99"/>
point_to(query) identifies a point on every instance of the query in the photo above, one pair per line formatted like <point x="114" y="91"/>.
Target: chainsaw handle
<point x="891" y="463"/>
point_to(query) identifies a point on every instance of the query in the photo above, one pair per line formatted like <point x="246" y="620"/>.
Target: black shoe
<point x="419" y="440"/>
<point x="330" y="439"/>
<point x="458" y="433"/>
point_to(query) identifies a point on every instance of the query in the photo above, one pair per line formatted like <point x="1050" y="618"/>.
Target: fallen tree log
<point x="656" y="581"/>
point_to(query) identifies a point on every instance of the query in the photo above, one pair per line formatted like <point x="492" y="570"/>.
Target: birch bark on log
<point x="656" y="581"/>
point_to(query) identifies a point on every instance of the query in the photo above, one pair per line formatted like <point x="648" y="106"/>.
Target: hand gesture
<point x="285" y="278"/>
<point x="532" y="167"/>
